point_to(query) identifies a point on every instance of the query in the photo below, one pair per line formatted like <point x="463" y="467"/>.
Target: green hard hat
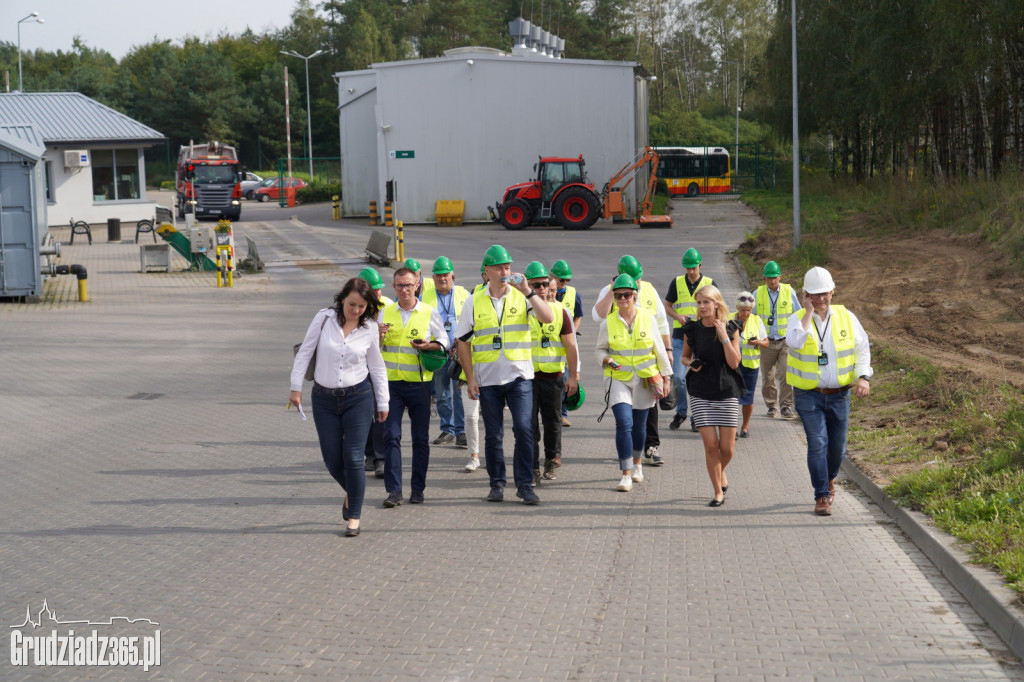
<point x="433" y="360"/>
<point x="372" y="278"/>
<point x="772" y="269"/>
<point x="497" y="255"/>
<point x="624" y="281"/>
<point x="442" y="266"/>
<point x="412" y="264"/>
<point x="561" y="270"/>
<point x="534" y="270"/>
<point x="483" y="268"/>
<point x="691" y="258"/>
<point x="628" y="265"/>
<point x="576" y="400"/>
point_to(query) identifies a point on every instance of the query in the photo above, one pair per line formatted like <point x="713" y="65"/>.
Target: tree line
<point x="893" y="88"/>
<point x="931" y="87"/>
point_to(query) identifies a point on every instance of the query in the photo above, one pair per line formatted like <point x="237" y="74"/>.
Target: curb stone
<point x="983" y="588"/>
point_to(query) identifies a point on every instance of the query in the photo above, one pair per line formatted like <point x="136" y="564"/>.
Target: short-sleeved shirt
<point x="670" y="296"/>
<point x="502" y="371"/>
<point x="716" y="380"/>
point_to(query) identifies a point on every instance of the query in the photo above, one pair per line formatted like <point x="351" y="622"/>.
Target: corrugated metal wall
<point x="474" y="129"/>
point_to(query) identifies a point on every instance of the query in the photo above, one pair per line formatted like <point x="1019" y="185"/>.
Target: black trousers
<point x="547" y="405"/>
<point x="653" y="440"/>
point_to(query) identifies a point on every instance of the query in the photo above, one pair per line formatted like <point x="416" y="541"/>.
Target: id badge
<point x="447" y="326"/>
<point x="771" y="320"/>
<point x="823" y="359"/>
<point x="545" y="342"/>
<point x="496" y="342"/>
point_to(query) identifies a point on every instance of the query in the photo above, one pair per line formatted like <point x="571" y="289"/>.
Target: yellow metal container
<point x="450" y="212"/>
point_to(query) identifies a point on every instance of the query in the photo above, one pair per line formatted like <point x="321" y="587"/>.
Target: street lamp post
<point x="736" y="165"/>
<point x="796" y="140"/>
<point x="309" y="113"/>
<point x="32" y="18"/>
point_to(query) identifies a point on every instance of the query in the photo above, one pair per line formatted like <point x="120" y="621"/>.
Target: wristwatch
<point x="865" y="378"/>
<point x="531" y="294"/>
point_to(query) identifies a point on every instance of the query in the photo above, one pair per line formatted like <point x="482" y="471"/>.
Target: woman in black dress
<point x="711" y="350"/>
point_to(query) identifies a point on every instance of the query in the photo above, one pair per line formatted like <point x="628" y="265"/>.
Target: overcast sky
<point x="117" y="25"/>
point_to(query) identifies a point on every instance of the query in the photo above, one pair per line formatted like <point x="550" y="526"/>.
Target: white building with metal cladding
<point x="467" y="125"/>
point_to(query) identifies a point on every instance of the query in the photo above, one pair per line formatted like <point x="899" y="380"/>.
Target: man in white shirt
<point x="829" y="358"/>
<point x="493" y="334"/>
<point x="408" y="327"/>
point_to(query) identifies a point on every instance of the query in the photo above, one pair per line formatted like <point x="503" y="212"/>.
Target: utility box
<point x="449" y="212"/>
<point x="155" y="256"/>
<point x="22" y="210"/>
<point x="200" y="238"/>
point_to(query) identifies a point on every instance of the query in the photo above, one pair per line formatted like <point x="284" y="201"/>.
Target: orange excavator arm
<point x="612" y="192"/>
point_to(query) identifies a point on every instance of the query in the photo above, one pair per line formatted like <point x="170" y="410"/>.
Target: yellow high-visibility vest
<point x="783" y="306"/>
<point x="646" y="299"/>
<point x="400" y="358"/>
<point x="632" y="349"/>
<point x="802" y="370"/>
<point x="512" y="332"/>
<point x="685" y="303"/>
<point x="548" y="353"/>
<point x="459" y="296"/>
<point x="428" y="285"/>
<point x="751" y="354"/>
<point x="569" y="300"/>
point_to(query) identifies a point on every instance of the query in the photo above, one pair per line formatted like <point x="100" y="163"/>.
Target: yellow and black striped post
<point x="336" y="207"/>
<point x="399" y="241"/>
<point x="388" y="215"/>
<point x="373" y="213"/>
<point x="229" y="260"/>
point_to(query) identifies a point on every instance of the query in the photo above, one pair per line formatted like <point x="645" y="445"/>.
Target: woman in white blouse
<point x="349" y="378"/>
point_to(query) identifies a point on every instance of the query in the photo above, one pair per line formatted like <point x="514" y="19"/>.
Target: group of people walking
<point x="511" y="342"/>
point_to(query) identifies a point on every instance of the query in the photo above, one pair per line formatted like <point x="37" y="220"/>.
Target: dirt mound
<point x="948" y="298"/>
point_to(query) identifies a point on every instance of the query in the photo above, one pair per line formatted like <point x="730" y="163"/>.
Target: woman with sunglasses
<point x="753" y="338"/>
<point x="711" y="349"/>
<point x="632" y="352"/>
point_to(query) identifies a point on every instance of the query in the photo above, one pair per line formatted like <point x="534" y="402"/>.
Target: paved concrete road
<point x="151" y="471"/>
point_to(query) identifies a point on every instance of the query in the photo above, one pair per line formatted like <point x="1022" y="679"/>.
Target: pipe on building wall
<point x="78" y="271"/>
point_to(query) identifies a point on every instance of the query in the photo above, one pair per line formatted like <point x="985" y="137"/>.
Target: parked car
<point x="249" y="192"/>
<point x="271" y="188"/>
<point x="250" y="182"/>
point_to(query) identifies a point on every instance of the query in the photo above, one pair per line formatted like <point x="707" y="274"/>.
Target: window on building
<point x="48" y="172"/>
<point x="115" y="174"/>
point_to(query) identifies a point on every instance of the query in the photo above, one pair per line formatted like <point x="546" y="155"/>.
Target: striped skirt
<point x="714" y="412"/>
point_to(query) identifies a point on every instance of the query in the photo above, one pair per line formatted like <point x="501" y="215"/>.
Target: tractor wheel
<point x="515" y="214"/>
<point x="576" y="208"/>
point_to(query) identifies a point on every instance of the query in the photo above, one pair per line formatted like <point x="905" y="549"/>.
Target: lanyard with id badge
<point x="822" y="356"/>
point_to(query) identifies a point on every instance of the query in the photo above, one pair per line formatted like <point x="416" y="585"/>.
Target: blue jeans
<point x="414" y="396"/>
<point x="630" y="433"/>
<point x="749" y="384"/>
<point x="449" y="402"/>
<point x="519" y="397"/>
<point x="825" y="419"/>
<point x="343" y="417"/>
<point x="679" y="375"/>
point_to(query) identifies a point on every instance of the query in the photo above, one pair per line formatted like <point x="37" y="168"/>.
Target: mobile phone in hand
<point x="696" y="363"/>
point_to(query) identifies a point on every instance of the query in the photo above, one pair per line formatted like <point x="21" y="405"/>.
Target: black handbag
<point x="454" y="368"/>
<point x="311" y="367"/>
<point x="668" y="403"/>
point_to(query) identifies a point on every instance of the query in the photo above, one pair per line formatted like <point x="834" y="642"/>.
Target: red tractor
<point x="562" y="194"/>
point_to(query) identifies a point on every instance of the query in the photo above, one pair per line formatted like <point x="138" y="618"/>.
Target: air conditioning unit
<point x="76" y="158"/>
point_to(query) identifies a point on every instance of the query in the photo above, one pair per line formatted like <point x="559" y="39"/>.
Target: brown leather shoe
<point x="822" y="507"/>
<point x="831" y="491"/>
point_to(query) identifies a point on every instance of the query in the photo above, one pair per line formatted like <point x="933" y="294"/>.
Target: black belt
<point x="832" y="391"/>
<point x="339" y="392"/>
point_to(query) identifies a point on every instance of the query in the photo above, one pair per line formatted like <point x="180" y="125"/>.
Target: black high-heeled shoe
<point x="352" y="532"/>
<point x="716" y="503"/>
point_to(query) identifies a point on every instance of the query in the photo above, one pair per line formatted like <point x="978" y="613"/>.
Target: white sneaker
<point x="626" y="484"/>
<point x="473" y="464"/>
<point x="638" y="473"/>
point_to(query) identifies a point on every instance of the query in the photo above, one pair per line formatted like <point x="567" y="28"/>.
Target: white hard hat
<point x="818" y="281"/>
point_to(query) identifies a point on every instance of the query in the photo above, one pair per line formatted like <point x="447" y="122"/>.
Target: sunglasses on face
<point x="624" y="295"/>
<point x="538" y="285"/>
